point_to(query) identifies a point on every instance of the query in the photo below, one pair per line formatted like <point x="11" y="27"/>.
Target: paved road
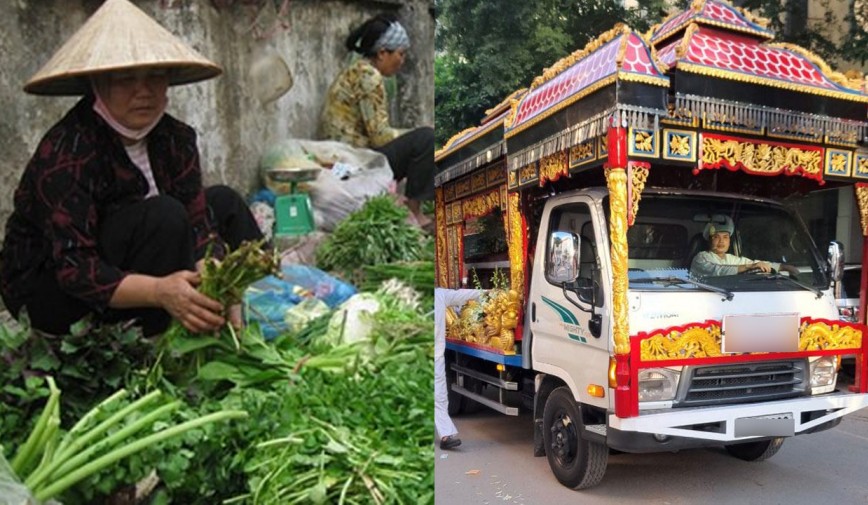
<point x="825" y="468"/>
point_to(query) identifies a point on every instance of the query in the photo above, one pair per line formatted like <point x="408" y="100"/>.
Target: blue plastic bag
<point x="268" y="300"/>
<point x="322" y="285"/>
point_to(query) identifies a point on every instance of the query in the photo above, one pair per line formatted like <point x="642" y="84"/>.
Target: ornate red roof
<point x="713" y="13"/>
<point x="618" y="54"/>
<point x="729" y="56"/>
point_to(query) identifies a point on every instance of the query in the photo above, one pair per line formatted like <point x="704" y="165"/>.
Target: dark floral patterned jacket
<point x="79" y="173"/>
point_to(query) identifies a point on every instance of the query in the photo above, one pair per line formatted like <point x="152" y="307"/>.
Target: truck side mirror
<point x="562" y="265"/>
<point x="836" y="260"/>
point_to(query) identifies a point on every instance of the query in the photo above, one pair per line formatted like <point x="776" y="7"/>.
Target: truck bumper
<point x="717" y="424"/>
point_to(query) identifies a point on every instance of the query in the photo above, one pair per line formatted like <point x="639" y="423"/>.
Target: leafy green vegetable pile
<point x="329" y="421"/>
<point x="377" y="233"/>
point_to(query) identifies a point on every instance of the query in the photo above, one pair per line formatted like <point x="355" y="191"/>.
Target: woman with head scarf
<point x="356" y="111"/>
<point x="110" y="215"/>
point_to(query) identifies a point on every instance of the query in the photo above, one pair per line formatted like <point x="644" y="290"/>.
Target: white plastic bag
<point x="333" y="197"/>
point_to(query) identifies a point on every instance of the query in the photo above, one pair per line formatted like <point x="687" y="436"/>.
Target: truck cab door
<point x="563" y="341"/>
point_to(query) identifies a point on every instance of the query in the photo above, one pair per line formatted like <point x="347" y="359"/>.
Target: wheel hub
<point x="564" y="438"/>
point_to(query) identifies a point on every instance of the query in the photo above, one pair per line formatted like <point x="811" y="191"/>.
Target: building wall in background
<point x="234" y="128"/>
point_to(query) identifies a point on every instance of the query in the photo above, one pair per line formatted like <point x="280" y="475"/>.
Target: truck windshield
<point x="672" y="239"/>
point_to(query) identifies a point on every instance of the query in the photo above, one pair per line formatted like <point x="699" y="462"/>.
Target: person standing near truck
<point x="444" y="298"/>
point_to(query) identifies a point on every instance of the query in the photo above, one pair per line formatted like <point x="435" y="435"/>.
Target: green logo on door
<point x="568" y="320"/>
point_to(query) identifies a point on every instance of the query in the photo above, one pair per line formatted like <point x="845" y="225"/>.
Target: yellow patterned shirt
<point x="355" y="111"/>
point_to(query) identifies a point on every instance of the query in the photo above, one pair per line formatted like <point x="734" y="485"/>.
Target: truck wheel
<point x="577" y="463"/>
<point x="756" y="451"/>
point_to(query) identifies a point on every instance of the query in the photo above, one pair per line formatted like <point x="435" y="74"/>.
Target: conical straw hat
<point x="118" y="36"/>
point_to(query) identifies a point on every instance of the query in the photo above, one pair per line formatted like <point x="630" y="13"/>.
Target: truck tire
<point x="756" y="451"/>
<point x="576" y="463"/>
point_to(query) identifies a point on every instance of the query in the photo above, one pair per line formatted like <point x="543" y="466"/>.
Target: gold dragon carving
<point x="440" y="223"/>
<point x="527" y="172"/>
<point x="617" y="182"/>
<point x="552" y="167"/>
<point x="581" y="152"/>
<point x="823" y="337"/>
<point x="862" y="201"/>
<point x="696" y="342"/>
<point x="764" y="158"/>
<point x="638" y="177"/>
<point x="516" y="245"/>
<point x="699" y="342"/>
<point x="481" y="205"/>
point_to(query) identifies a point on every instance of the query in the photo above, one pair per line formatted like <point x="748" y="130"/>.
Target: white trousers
<point x="445" y="426"/>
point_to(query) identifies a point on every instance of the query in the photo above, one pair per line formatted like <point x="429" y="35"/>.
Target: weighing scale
<point x="293" y="212"/>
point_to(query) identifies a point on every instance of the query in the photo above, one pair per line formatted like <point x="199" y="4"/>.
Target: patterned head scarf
<point x="715" y="226"/>
<point x="395" y="37"/>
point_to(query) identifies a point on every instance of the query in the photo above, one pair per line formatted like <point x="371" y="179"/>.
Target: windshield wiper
<point x="678" y="280"/>
<point x="780" y="276"/>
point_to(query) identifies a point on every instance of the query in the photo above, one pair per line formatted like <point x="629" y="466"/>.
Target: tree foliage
<point x="486" y="49"/>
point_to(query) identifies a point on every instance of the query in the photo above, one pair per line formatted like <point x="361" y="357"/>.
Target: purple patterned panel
<point x="596" y="66"/>
<point x="672" y="24"/>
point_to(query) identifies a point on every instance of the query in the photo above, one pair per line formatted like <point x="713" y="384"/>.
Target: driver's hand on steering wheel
<point x="762" y="266"/>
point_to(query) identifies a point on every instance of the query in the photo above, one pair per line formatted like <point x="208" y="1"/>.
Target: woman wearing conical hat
<point x="356" y="112"/>
<point x="110" y="214"/>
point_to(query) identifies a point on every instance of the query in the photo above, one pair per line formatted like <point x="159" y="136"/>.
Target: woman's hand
<point x="233" y="312"/>
<point x="234" y="316"/>
<point x="178" y="296"/>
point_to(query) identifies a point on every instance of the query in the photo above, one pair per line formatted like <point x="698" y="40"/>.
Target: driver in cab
<point x="716" y="261"/>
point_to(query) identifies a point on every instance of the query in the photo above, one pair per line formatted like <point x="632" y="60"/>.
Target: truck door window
<point x="576" y="218"/>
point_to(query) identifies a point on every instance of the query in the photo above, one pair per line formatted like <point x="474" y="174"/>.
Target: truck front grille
<point x="747" y="382"/>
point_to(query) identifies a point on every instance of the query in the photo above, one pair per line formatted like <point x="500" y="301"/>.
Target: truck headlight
<point x="658" y="384"/>
<point x="823" y="374"/>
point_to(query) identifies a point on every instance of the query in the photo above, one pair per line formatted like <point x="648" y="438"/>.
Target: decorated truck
<point x="589" y="207"/>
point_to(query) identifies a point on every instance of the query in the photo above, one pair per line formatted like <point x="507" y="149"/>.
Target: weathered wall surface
<point x="234" y="127"/>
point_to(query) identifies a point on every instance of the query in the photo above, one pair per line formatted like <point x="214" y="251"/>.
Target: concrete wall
<point x="234" y="127"/>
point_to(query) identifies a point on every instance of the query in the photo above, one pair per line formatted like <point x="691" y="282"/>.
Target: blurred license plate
<point x="778" y="425"/>
<point x="760" y="333"/>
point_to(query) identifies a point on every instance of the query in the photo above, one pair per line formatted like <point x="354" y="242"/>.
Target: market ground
<point x="829" y="467"/>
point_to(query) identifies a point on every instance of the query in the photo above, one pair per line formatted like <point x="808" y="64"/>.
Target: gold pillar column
<point x="441" y="249"/>
<point x="616" y="178"/>
<point x="516" y="239"/>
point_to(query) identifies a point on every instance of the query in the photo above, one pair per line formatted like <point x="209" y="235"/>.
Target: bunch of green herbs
<point x="377" y="233"/>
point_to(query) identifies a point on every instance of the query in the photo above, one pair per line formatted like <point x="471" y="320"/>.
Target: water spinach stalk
<point x="86" y="450"/>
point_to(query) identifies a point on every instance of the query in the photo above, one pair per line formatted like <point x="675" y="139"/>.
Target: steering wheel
<point x="757" y="270"/>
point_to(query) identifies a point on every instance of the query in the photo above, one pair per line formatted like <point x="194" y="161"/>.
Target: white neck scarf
<point x="133" y="134"/>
